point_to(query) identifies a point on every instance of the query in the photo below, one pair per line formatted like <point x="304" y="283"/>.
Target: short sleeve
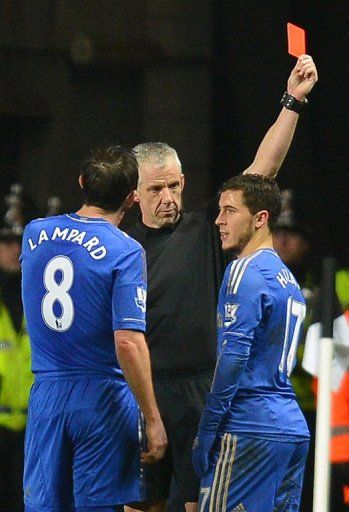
<point x="130" y="292"/>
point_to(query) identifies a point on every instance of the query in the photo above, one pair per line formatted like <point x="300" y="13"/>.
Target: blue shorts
<point x="250" y="474"/>
<point x="82" y="445"/>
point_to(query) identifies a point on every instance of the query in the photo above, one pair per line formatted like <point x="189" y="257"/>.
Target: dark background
<point x="205" y="76"/>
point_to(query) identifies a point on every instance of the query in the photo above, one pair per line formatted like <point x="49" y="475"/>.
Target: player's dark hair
<point x="259" y="193"/>
<point x="108" y="176"/>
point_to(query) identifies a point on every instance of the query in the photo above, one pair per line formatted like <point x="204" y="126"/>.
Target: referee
<point x="185" y="269"/>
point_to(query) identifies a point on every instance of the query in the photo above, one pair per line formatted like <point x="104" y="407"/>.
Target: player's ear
<point x="129" y="200"/>
<point x="81" y="181"/>
<point x="262" y="218"/>
<point x="182" y="181"/>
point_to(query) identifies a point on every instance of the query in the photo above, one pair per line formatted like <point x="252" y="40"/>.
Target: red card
<point x="296" y="40"/>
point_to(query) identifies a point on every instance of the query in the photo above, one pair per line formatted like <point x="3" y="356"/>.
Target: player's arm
<point x="129" y="308"/>
<point x="275" y="145"/>
<point x="133" y="357"/>
<point x="229" y="368"/>
<point x="232" y="361"/>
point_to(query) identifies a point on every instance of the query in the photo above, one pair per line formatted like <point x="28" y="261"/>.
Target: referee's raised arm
<point x="275" y="145"/>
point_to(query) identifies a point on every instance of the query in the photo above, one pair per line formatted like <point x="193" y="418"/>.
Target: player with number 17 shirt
<point x="252" y="442"/>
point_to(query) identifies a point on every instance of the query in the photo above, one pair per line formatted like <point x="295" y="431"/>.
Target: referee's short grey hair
<point x="155" y="151"/>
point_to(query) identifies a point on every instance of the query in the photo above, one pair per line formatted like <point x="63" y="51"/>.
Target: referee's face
<point x="159" y="192"/>
<point x="235" y="221"/>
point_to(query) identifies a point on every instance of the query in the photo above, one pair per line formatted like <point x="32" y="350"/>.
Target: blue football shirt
<point x="82" y="278"/>
<point x="260" y="315"/>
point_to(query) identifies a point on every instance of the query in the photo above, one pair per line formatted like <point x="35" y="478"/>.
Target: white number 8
<point x="58" y="292"/>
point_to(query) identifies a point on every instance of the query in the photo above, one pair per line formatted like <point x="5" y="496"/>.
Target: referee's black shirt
<point x="185" y="269"/>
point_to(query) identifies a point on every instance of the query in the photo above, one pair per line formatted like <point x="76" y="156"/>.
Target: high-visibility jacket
<point x="15" y="374"/>
<point x="339" y="445"/>
<point x="340" y="398"/>
<point x="339" y="451"/>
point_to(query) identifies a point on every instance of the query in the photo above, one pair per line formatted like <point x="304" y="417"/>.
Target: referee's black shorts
<point x="180" y="400"/>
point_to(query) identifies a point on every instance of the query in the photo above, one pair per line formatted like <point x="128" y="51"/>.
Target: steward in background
<point x="15" y="374"/>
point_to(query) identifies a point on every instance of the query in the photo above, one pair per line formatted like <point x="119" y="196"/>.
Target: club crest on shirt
<point x="230" y="314"/>
<point x="141" y="298"/>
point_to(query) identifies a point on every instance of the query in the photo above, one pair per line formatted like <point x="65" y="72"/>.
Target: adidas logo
<point x="240" y="508"/>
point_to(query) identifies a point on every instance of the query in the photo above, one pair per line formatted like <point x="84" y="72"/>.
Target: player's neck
<point x="95" y="212"/>
<point x="258" y="242"/>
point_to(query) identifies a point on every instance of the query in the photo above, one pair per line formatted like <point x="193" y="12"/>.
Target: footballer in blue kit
<point x="252" y="441"/>
<point x="84" y="295"/>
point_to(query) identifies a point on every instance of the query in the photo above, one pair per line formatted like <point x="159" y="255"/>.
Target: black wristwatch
<point x="291" y="103"/>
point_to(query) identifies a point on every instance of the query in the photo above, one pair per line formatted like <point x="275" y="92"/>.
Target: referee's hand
<point x="156" y="440"/>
